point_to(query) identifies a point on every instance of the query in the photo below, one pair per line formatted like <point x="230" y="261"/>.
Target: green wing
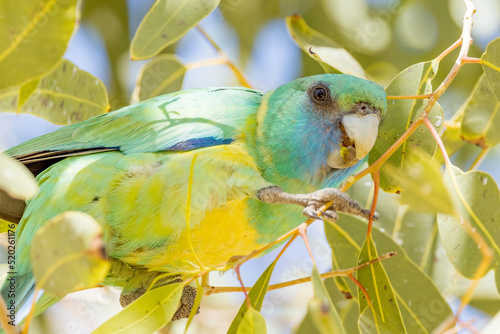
<point x="180" y="121"/>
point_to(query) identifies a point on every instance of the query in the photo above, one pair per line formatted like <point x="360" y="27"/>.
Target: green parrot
<point x="252" y="161"/>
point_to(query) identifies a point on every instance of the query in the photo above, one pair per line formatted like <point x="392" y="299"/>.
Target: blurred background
<point x="385" y="36"/>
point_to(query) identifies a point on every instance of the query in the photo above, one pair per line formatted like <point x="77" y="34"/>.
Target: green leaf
<point x="481" y="120"/>
<point x="68" y="254"/>
<point x="162" y="75"/>
<point x="347" y="307"/>
<point x="67" y="95"/>
<point x="15" y="179"/>
<point x="146" y="314"/>
<point x="416" y="232"/>
<point x="325" y="51"/>
<point x="477" y="201"/>
<point x="32" y="28"/>
<point x="422" y="184"/>
<point x="374" y="279"/>
<point x="321" y="317"/>
<point x="25" y="91"/>
<point x="8" y="99"/>
<point x="497" y="278"/>
<point x="165" y="23"/>
<point x="491" y="65"/>
<point x="256" y="295"/>
<point x="452" y="141"/>
<point x="253" y="323"/>
<point x="372" y="323"/>
<point x="401" y="113"/>
<point x="421" y="305"/>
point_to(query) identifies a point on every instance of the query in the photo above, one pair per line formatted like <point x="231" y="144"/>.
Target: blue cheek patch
<point x="196" y="143"/>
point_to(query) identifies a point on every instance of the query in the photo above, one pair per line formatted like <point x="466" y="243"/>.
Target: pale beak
<point x="361" y="131"/>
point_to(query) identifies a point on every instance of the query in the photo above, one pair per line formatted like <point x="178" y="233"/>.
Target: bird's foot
<point x="340" y="202"/>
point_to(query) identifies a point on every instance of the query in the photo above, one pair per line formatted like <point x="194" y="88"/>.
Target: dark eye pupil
<point x="320" y="94"/>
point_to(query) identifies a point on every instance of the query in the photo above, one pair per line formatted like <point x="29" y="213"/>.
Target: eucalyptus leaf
<point x="67" y="95"/>
<point x="165" y="23"/>
<point x="347" y="308"/>
<point x="491" y="65"/>
<point x="163" y="75"/>
<point x="256" y="295"/>
<point x="321" y="317"/>
<point x="25" y="91"/>
<point x="15" y="179"/>
<point x="146" y="314"/>
<point x="401" y="113"/>
<point x="481" y="120"/>
<point x="196" y="305"/>
<point x="414" y="231"/>
<point x="476" y="198"/>
<point x="421" y="305"/>
<point x="332" y="57"/>
<point x="384" y="302"/>
<point x="32" y="28"/>
<point x="67" y="254"/>
<point x="452" y="141"/>
<point x="372" y="323"/>
<point x="497" y="278"/>
<point x="253" y="323"/>
<point x="423" y="187"/>
<point x="8" y="99"/>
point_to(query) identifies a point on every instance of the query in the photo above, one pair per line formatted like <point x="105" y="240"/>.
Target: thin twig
<point x="303" y="234"/>
<point x="376" y="187"/>
<point x="464" y="51"/>
<point x="471" y="60"/>
<point x="449" y="50"/>
<point x="437" y="138"/>
<point x="334" y="273"/>
<point x="362" y="288"/>
<point x="238" y="275"/>
<point x="480" y="158"/>
<point x="408" y="97"/>
<point x="206" y="62"/>
<point x="237" y="72"/>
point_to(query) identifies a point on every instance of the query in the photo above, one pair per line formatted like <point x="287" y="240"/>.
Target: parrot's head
<point x="321" y="125"/>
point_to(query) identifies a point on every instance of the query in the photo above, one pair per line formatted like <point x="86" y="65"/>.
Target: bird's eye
<point x="319" y="94"/>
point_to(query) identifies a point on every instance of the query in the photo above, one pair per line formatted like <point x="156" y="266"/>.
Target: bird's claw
<point x="313" y="213"/>
<point x="340" y="202"/>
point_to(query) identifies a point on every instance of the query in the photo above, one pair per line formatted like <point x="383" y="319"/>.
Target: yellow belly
<point x="223" y="233"/>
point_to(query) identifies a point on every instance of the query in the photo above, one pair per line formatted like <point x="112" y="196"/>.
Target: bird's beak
<point x="360" y="133"/>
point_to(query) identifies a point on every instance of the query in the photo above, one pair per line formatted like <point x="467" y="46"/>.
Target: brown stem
<point x="206" y="62"/>
<point x="358" y="283"/>
<point x="452" y="47"/>
<point x="237" y="72"/>
<point x="464" y="50"/>
<point x="238" y="275"/>
<point x="376" y="181"/>
<point x="437" y="138"/>
<point x="471" y="60"/>
<point x="303" y="234"/>
<point x="479" y="159"/>
<point x="408" y="97"/>
<point x="285" y="236"/>
<point x="334" y="273"/>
